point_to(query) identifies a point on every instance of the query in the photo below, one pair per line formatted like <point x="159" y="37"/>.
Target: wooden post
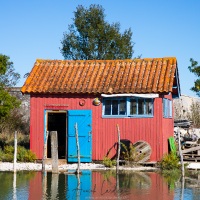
<point x="15" y="152"/>
<point x="54" y="151"/>
<point x="118" y="152"/>
<point x="45" y="151"/>
<point x="181" y="155"/>
<point x="78" y="148"/>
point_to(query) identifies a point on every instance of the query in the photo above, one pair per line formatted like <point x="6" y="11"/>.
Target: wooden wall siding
<point x="104" y="132"/>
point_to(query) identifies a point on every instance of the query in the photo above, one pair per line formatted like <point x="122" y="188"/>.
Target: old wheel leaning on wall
<point x="142" y="151"/>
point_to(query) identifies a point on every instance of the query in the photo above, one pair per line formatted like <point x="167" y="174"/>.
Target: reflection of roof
<point x="103" y="76"/>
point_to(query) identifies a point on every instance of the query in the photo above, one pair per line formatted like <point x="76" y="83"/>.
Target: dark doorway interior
<point x="57" y="122"/>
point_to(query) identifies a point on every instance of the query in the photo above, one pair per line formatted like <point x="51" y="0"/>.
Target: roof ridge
<point x="39" y="60"/>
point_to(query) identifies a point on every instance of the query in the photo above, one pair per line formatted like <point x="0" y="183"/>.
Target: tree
<point x="194" y="115"/>
<point x="8" y="78"/>
<point x="91" y="37"/>
<point x="195" y="68"/>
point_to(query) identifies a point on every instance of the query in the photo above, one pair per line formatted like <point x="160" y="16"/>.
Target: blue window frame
<point x="128" y="107"/>
<point x="167" y="108"/>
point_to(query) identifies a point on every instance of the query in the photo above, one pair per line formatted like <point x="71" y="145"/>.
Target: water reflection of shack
<point x="102" y="185"/>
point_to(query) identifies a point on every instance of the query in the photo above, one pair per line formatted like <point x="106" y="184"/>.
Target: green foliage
<point x="8" y="78"/>
<point x="7" y="103"/>
<point x="134" y="180"/>
<point x="108" y="162"/>
<point x="3" y="63"/>
<point x="23" y="155"/>
<point x="195" y="68"/>
<point x="23" y="178"/>
<point x="169" y="162"/>
<point x="171" y="177"/>
<point x="108" y="174"/>
<point x="91" y="37"/>
<point x="130" y="154"/>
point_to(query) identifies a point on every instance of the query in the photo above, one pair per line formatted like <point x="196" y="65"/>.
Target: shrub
<point x="7" y="139"/>
<point x="108" y="162"/>
<point x="23" y="155"/>
<point x="169" y="162"/>
<point x="131" y="155"/>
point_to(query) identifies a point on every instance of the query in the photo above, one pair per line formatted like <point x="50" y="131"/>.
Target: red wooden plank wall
<point x="154" y="130"/>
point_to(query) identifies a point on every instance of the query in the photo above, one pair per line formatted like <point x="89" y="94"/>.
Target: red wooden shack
<point x="97" y="95"/>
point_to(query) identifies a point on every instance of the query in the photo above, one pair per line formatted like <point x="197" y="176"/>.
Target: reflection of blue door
<point x="79" y="186"/>
<point x="83" y="118"/>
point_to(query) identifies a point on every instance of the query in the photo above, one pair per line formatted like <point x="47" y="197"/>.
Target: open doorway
<point x="56" y="121"/>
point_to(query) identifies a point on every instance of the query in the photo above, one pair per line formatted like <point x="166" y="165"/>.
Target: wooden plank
<point x="191" y="149"/>
<point x="192" y="155"/>
<point x="189" y="142"/>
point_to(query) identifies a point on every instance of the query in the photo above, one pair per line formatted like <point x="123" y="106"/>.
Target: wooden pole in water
<point x="44" y="184"/>
<point x="14" y="167"/>
<point x="54" y="151"/>
<point x="181" y="155"/>
<point x="54" y="185"/>
<point x="118" y="152"/>
<point x="78" y="189"/>
<point x="78" y="148"/>
<point x="15" y="152"/>
<point x="14" y="186"/>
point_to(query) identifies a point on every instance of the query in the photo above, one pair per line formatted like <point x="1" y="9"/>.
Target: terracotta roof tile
<point x="148" y="75"/>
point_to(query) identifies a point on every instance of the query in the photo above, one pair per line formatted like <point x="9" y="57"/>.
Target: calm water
<point x="97" y="185"/>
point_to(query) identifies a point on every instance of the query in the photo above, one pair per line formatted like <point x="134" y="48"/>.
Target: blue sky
<point x="34" y="29"/>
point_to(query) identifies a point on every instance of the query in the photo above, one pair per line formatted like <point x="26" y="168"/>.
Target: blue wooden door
<point x="83" y="118"/>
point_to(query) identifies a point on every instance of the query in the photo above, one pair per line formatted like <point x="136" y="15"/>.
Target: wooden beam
<point x="191" y="149"/>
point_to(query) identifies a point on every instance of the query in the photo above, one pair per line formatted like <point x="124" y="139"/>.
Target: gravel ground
<point x="6" y="166"/>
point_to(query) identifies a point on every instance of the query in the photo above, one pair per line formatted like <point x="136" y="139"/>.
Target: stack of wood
<point x="191" y="151"/>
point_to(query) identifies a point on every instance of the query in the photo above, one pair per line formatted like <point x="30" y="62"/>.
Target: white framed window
<point x="128" y="107"/>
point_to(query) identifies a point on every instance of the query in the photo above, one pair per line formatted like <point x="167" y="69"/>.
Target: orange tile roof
<point x="148" y="75"/>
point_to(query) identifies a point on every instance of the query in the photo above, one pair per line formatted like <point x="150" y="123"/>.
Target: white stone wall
<point x="182" y="106"/>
